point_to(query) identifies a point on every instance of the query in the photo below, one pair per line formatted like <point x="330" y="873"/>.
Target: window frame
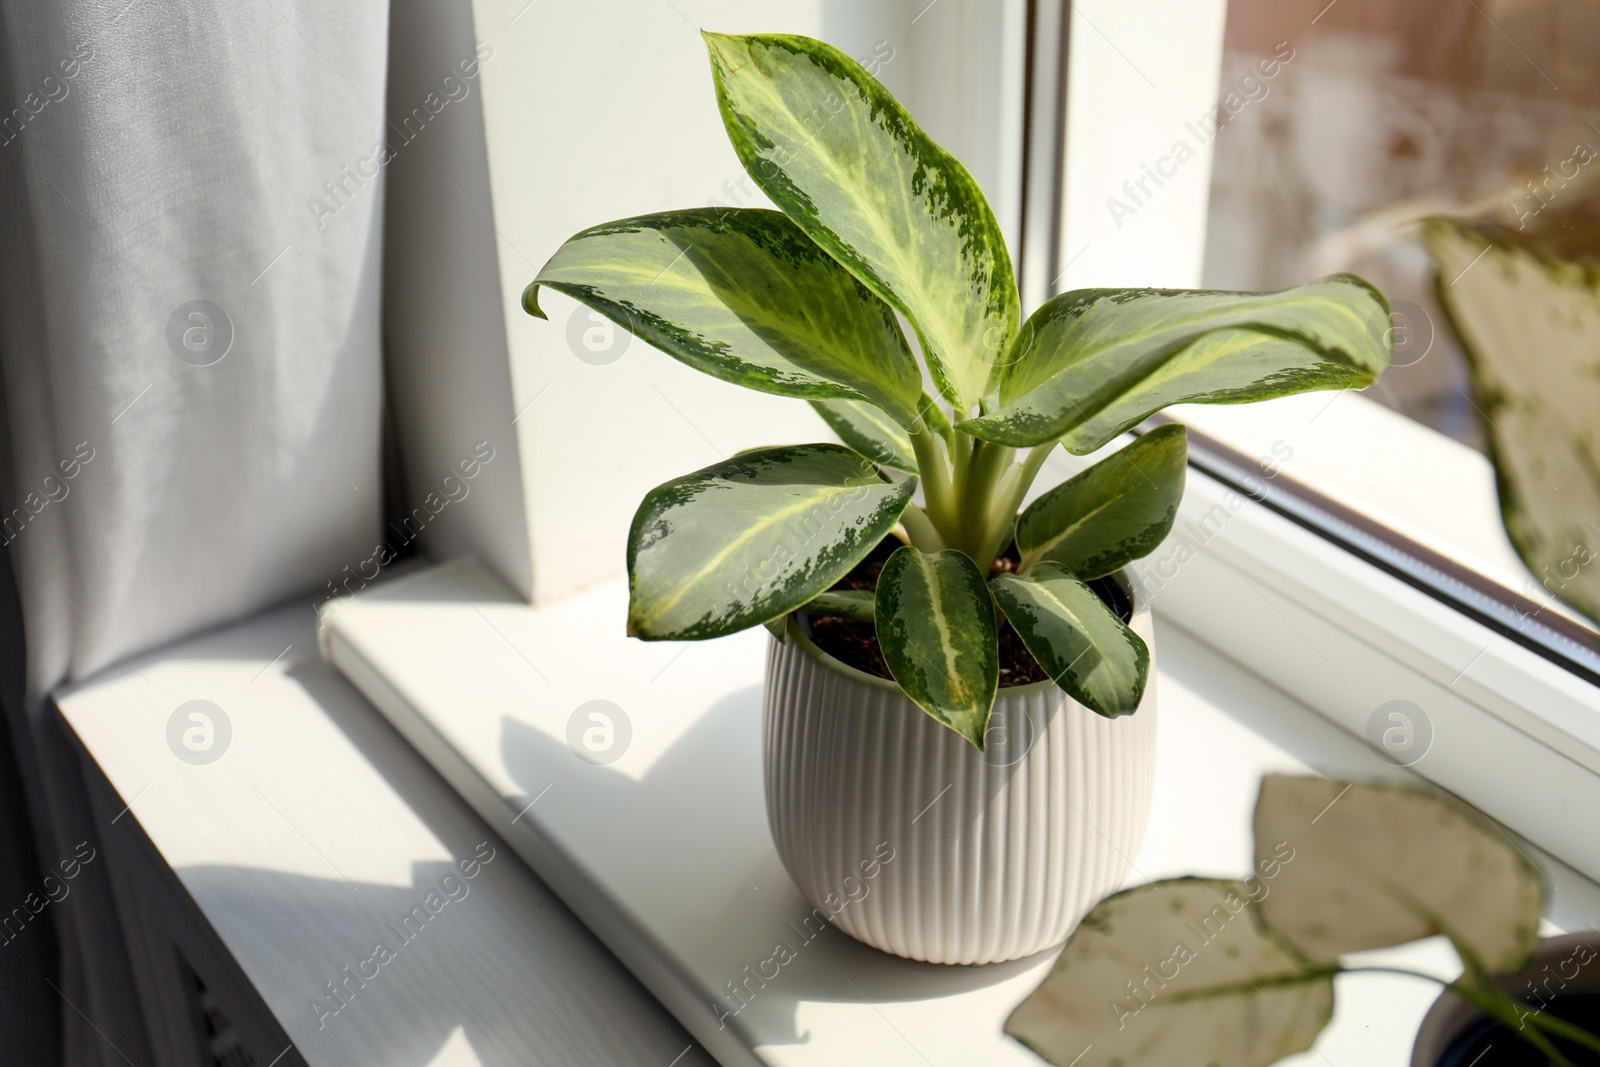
<point x="1548" y="634"/>
<point x="1106" y="58"/>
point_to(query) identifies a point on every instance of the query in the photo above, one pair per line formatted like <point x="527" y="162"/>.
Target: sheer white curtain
<point x="190" y="243"/>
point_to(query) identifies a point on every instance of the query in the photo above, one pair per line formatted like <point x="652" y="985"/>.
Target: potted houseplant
<point x="1187" y="972"/>
<point x="951" y="684"/>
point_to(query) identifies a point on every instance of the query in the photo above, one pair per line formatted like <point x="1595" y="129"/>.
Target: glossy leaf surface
<point x="1117" y="511"/>
<point x="839" y="155"/>
<point x="743" y="295"/>
<point x="936" y="629"/>
<point x="753" y="537"/>
<point x="869" y="430"/>
<point x="1081" y="644"/>
<point x="1092" y="363"/>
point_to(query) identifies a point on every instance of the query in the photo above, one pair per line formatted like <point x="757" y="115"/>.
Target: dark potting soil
<point x="856" y="643"/>
<point x="1488" y="1043"/>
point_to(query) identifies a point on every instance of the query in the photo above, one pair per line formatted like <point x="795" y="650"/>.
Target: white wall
<point x="601" y="111"/>
<point x="1139" y="71"/>
<point x="446" y="370"/>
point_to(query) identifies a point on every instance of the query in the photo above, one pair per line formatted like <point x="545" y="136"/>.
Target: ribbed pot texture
<point x="906" y="837"/>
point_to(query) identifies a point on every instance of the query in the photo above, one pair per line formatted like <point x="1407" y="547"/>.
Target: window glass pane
<point x="1342" y="127"/>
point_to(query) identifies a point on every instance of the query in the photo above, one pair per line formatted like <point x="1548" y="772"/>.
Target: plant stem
<point x="961" y="446"/>
<point x="937" y="489"/>
<point x="1486" y="983"/>
<point x="1499" y="1006"/>
<point x="920" y="529"/>
<point x="989" y="465"/>
<point x="1031" y="467"/>
<point x="1435" y="979"/>
<point x="1006" y="500"/>
<point x="1000" y="523"/>
<point x="1562" y="1028"/>
<point x="850" y="604"/>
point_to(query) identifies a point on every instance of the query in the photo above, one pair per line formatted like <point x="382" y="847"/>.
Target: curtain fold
<point x="190" y="250"/>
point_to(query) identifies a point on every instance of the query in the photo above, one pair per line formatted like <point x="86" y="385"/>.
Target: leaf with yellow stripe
<point x="1118" y="510"/>
<point x="743" y="295"/>
<point x="839" y="155"/>
<point x="748" y="539"/>
<point x="869" y="430"/>
<point x="936" y="628"/>
<point x="1092" y="363"/>
<point x="1076" y="638"/>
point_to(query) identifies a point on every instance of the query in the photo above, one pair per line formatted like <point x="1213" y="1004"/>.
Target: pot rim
<point x="800" y="632"/>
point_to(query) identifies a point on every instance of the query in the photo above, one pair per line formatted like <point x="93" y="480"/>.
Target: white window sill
<point x="665" y="853"/>
<point x="1513" y="732"/>
<point x="315" y="833"/>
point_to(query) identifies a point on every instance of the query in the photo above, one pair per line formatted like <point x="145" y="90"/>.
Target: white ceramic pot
<point x="992" y="855"/>
<point x="1569" y="963"/>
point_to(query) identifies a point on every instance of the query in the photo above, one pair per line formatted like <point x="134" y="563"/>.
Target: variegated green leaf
<point x="936" y="628"/>
<point x="1177" y="973"/>
<point x="753" y="537"/>
<point x="869" y="430"/>
<point x="1530" y="325"/>
<point x="1118" y="510"/>
<point x="1374" y="866"/>
<point x="1076" y="638"/>
<point x="841" y="157"/>
<point x="1092" y="363"/>
<point x="743" y="295"/>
